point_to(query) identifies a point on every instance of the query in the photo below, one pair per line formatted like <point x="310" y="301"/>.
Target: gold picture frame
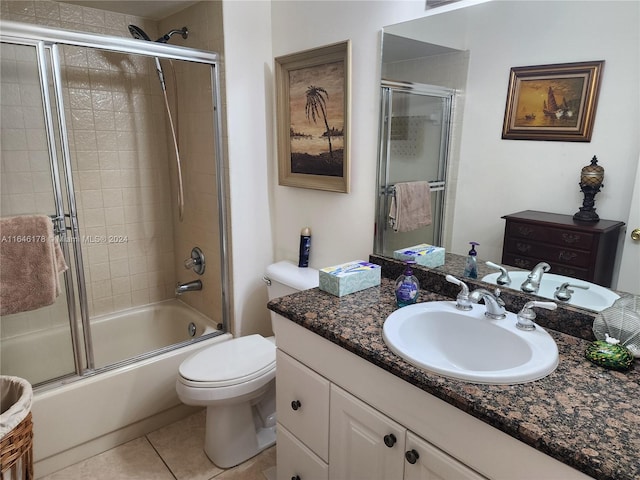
<point x="313" y="105"/>
<point x="552" y="102"/>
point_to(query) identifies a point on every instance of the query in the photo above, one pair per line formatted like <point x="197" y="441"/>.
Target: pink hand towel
<point x="410" y="206"/>
<point x="30" y="263"/>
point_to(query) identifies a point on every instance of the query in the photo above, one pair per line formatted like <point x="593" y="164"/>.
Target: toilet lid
<point x="237" y="360"/>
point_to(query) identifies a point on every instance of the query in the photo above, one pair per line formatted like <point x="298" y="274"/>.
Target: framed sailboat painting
<point x="552" y="102"/>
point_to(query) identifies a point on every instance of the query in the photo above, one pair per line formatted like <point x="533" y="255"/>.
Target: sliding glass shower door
<point x="85" y="140"/>
<point x="30" y="184"/>
<point x="414" y="141"/>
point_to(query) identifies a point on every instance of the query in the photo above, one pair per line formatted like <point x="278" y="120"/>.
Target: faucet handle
<point x="503" y="278"/>
<point x="196" y="261"/>
<point x="527" y="315"/>
<point x="563" y="292"/>
<point x="463" y="302"/>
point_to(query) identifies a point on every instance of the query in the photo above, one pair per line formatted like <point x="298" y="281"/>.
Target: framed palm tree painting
<point x="313" y="99"/>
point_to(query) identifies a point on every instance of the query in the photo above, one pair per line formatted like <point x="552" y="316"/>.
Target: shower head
<point x="137" y="33"/>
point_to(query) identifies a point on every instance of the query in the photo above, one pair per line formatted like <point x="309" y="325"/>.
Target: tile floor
<point x="173" y="452"/>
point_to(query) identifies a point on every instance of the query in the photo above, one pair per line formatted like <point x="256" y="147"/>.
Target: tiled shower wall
<point x="122" y="162"/>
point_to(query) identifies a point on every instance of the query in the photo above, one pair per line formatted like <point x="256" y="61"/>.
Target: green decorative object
<point x="608" y="354"/>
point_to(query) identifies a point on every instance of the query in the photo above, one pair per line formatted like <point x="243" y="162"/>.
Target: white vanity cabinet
<point x="324" y="432"/>
<point x="335" y="410"/>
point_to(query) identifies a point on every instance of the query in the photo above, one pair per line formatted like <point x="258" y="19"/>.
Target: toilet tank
<point x="284" y="278"/>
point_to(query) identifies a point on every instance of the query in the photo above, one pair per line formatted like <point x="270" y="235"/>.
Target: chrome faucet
<point x="492" y="300"/>
<point x="532" y="283"/>
<point x="188" y="287"/>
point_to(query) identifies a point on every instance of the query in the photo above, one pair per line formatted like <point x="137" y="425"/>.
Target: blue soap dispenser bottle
<point x="407" y="287"/>
<point x="471" y="265"/>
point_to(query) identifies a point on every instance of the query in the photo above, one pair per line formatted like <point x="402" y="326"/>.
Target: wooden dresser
<point x="581" y="250"/>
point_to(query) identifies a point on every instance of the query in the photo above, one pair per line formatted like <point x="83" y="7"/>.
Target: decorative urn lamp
<point x="590" y="183"/>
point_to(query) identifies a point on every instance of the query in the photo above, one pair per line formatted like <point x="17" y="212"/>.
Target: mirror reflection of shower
<point x="139" y="34"/>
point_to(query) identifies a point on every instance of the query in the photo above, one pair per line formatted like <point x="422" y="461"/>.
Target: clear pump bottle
<point x="407" y="287"/>
<point x="471" y="265"/>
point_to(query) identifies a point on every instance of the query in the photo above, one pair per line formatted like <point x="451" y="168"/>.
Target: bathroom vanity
<point x="350" y="408"/>
<point x="586" y="251"/>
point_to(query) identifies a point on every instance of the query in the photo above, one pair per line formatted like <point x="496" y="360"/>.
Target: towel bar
<point x="434" y="186"/>
<point x="59" y="223"/>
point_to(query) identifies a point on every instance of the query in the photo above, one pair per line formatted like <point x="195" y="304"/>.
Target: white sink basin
<point x="595" y="297"/>
<point x="438" y="337"/>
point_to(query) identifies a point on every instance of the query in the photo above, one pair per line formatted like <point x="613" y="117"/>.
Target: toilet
<point x="235" y="380"/>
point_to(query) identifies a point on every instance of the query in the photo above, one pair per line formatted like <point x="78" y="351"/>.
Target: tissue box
<point x="422" y="254"/>
<point x="349" y="277"/>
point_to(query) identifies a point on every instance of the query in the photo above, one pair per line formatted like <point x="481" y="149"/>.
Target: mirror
<point x="452" y="50"/>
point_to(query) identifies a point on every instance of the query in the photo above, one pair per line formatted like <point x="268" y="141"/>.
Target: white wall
<point x="533" y="175"/>
<point x="267" y="218"/>
<point x="342" y="224"/>
<point x="248" y="79"/>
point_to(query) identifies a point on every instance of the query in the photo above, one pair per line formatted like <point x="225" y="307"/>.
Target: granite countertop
<point x="581" y="414"/>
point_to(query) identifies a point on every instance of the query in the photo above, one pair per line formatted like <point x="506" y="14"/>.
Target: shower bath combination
<point x="139" y="34"/>
<point x="116" y="320"/>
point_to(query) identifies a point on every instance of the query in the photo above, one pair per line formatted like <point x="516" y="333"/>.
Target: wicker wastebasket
<point x="16" y="429"/>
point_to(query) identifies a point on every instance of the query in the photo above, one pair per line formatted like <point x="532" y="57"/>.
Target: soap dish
<point x="609" y="354"/>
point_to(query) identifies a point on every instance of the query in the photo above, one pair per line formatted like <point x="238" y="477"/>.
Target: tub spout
<point x="188" y="287"/>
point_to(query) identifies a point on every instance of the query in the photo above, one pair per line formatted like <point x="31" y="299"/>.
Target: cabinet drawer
<point x="570" y="238"/>
<point x="549" y="253"/>
<point x="527" y="230"/>
<point x="294" y="459"/>
<point x="302" y="403"/>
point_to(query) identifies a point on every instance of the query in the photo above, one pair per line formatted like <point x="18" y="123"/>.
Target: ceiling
<point x="154" y="10"/>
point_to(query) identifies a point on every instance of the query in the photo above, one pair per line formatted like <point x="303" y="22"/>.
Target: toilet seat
<point x="229" y="363"/>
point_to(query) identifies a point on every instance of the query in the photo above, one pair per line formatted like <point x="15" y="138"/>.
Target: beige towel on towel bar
<point x="30" y="263"/>
<point x="410" y="206"/>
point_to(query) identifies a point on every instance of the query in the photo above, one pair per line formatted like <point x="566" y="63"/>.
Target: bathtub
<point x="83" y="417"/>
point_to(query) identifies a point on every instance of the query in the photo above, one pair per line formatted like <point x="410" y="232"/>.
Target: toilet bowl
<point x="235" y="380"/>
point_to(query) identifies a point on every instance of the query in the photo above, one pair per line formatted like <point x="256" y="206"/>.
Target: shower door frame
<point x="46" y="40"/>
<point x="439" y="185"/>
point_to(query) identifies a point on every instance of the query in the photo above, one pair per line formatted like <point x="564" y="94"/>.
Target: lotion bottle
<point x="407" y="287"/>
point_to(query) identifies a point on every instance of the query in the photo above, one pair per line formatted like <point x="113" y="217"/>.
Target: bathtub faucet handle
<point x="196" y="261"/>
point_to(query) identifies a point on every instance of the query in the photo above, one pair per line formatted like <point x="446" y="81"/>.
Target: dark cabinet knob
<point x="390" y="440"/>
<point x="296" y="404"/>
<point x="412" y="456"/>
<point x="295" y="477"/>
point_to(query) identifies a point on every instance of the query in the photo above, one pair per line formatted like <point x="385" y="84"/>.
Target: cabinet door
<point x="363" y="443"/>
<point x="297" y="461"/>
<point x="302" y="403"/>
<point x="426" y="462"/>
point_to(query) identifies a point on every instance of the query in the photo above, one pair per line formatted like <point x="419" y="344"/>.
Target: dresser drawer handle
<point x="296" y="404"/>
<point x="412" y="456"/>
<point x="295" y="477"/>
<point x="569" y="238"/>
<point x="567" y="256"/>
<point x="390" y="440"/>
<point x="525" y="231"/>
<point x="523" y="247"/>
